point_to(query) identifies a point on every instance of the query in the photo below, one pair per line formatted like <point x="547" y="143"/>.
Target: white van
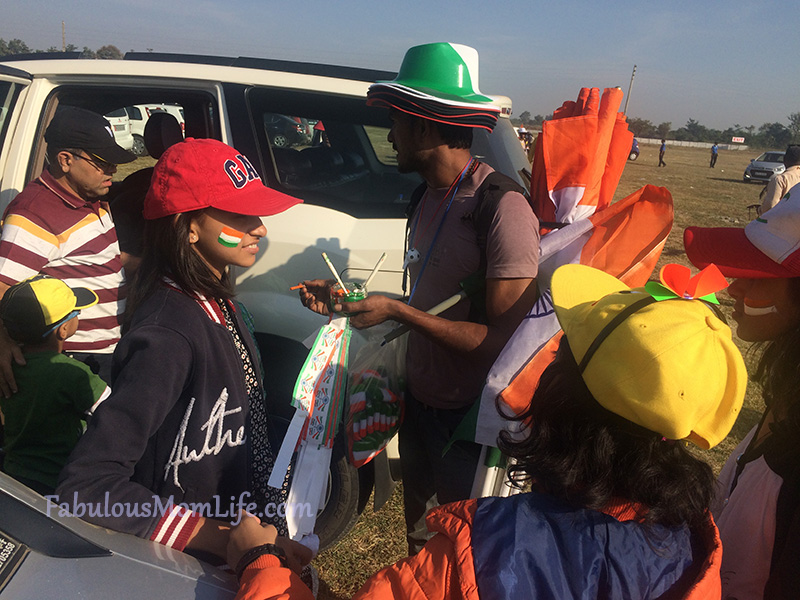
<point x="121" y="126"/>
<point x="140" y="113"/>
<point x="354" y="197"/>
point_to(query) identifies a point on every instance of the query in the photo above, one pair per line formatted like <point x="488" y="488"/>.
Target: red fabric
<point x="173" y="531"/>
<point x="202" y="173"/>
<point x="734" y="254"/>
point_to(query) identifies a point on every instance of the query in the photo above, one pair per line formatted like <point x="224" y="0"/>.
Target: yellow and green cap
<point x="666" y="363"/>
<point x="34" y="307"/>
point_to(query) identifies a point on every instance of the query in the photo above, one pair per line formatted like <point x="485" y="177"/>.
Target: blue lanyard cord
<point x="438" y="229"/>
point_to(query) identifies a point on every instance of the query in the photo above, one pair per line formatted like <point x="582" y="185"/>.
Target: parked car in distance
<point x="634" y="150"/>
<point x="761" y="169"/>
<point x="121" y="126"/>
<point x="284" y="131"/>
<point x="139" y="114"/>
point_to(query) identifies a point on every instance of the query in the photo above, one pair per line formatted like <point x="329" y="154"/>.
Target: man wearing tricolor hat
<point x="435" y="105"/>
<point x="757" y="507"/>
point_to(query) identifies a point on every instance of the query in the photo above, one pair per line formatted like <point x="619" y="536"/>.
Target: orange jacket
<point x="445" y="568"/>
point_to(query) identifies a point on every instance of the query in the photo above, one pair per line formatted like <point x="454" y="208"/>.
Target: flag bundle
<point x="580" y="156"/>
<point x="318" y="399"/>
<point x="578" y="162"/>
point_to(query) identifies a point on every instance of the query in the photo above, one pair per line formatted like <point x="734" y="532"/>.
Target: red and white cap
<point x="768" y="247"/>
<point x="202" y="173"/>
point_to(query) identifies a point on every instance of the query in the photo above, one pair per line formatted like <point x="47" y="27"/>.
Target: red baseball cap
<point x="202" y="173"/>
<point x="768" y="247"/>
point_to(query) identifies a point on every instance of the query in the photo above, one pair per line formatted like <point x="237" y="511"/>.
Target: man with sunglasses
<point x="60" y="225"/>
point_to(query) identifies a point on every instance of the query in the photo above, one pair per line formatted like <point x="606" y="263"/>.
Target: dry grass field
<point x="702" y="196"/>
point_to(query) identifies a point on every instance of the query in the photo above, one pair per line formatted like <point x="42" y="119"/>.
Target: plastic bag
<point x="375" y="396"/>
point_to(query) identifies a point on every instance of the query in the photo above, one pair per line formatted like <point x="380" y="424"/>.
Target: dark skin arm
<point x="507" y="302"/>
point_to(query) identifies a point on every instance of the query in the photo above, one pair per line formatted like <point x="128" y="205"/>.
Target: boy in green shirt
<point x="45" y="418"/>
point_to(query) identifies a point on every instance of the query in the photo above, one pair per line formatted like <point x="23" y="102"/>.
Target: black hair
<point x="168" y="253"/>
<point x="455" y="136"/>
<point x="578" y="451"/>
<point x="792" y="155"/>
<point x="25" y="336"/>
<point x="53" y="152"/>
<point x="778" y="370"/>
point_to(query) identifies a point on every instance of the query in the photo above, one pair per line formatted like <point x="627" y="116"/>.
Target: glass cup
<point x="355" y="292"/>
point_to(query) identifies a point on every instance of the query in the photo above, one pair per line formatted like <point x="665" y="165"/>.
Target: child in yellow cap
<point x="619" y="508"/>
<point x="44" y="418"/>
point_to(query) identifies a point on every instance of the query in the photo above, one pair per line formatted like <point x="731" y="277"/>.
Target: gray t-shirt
<point x="436" y="376"/>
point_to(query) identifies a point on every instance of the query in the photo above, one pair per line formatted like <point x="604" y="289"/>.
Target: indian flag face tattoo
<point x="230" y="237"/>
<point x="758" y="308"/>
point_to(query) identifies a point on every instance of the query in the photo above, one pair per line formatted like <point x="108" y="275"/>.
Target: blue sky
<point x="720" y="63"/>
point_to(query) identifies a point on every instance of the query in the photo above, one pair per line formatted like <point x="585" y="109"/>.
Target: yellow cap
<point x="670" y="366"/>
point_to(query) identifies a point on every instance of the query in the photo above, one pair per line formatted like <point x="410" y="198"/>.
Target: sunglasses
<point x="97" y="162"/>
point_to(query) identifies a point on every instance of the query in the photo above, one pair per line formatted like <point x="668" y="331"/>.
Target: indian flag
<point x="579" y="159"/>
<point x="229" y="237"/>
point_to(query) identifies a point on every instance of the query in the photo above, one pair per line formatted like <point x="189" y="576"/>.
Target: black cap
<point x="83" y="129"/>
<point x="34" y="307"/>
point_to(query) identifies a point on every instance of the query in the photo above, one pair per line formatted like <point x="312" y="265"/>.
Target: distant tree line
<point x="17" y="46"/>
<point x="769" y="135"/>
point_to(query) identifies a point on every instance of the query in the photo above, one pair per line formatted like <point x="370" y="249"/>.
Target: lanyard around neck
<point x="452" y="193"/>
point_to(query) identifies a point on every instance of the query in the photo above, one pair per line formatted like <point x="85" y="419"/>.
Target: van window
<point x="330" y="151"/>
<point x="9" y="92"/>
<point x="195" y="111"/>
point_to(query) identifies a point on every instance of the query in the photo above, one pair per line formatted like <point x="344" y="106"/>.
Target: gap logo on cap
<point x="240" y="173"/>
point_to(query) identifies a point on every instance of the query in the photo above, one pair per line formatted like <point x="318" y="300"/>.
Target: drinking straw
<point x="375" y="270"/>
<point x="335" y="272"/>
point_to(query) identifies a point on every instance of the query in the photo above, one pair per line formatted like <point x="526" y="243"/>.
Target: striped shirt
<point x="47" y="229"/>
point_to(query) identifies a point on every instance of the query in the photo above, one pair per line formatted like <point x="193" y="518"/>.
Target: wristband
<point x="254" y="553"/>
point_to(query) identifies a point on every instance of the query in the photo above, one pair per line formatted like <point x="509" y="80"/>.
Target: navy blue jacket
<point x="176" y="424"/>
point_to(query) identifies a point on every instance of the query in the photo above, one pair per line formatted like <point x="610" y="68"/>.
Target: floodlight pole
<point x="630" y="87"/>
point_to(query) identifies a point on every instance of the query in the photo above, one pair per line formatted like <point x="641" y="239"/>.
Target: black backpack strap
<point x="416" y="196"/>
<point x="490" y="192"/>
